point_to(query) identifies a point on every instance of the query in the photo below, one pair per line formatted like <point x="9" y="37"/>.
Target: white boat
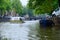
<point x="15" y="18"/>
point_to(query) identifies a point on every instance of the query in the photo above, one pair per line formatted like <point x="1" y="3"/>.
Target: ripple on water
<point x="16" y="31"/>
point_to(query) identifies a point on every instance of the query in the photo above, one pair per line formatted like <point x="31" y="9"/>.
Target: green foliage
<point x="26" y="10"/>
<point x="43" y="6"/>
<point x="16" y="4"/>
<point x="38" y="6"/>
<point x="6" y="5"/>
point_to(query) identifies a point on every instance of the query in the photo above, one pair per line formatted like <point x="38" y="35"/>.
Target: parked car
<point x="0" y="17"/>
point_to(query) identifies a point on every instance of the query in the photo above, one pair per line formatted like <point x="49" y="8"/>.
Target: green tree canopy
<point x="43" y="6"/>
<point x="6" y="5"/>
<point x="16" y="4"/>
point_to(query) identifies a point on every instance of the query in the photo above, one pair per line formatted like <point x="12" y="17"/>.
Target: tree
<point x="4" y="5"/>
<point x="59" y="2"/>
<point x="44" y="6"/>
<point x="7" y="5"/>
<point x="17" y="6"/>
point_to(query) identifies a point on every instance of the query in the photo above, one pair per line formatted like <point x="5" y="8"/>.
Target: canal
<point x="30" y="30"/>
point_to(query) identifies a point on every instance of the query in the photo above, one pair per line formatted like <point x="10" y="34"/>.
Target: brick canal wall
<point x="56" y="20"/>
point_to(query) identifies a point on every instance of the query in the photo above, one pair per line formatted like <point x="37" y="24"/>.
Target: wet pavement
<point x="30" y="30"/>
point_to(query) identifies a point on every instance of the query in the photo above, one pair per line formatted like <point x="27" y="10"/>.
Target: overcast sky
<point x="24" y="2"/>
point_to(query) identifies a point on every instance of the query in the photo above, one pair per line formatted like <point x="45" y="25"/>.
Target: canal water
<point x="30" y="30"/>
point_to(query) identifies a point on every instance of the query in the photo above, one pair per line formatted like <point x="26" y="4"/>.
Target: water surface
<point x="30" y="30"/>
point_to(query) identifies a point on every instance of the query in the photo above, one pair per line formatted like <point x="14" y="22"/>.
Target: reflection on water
<point x="49" y="34"/>
<point x="27" y="31"/>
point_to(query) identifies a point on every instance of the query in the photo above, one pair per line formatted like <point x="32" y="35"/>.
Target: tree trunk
<point x="59" y="2"/>
<point x="1" y="12"/>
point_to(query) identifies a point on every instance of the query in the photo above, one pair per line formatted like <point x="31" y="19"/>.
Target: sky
<point x="24" y="2"/>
